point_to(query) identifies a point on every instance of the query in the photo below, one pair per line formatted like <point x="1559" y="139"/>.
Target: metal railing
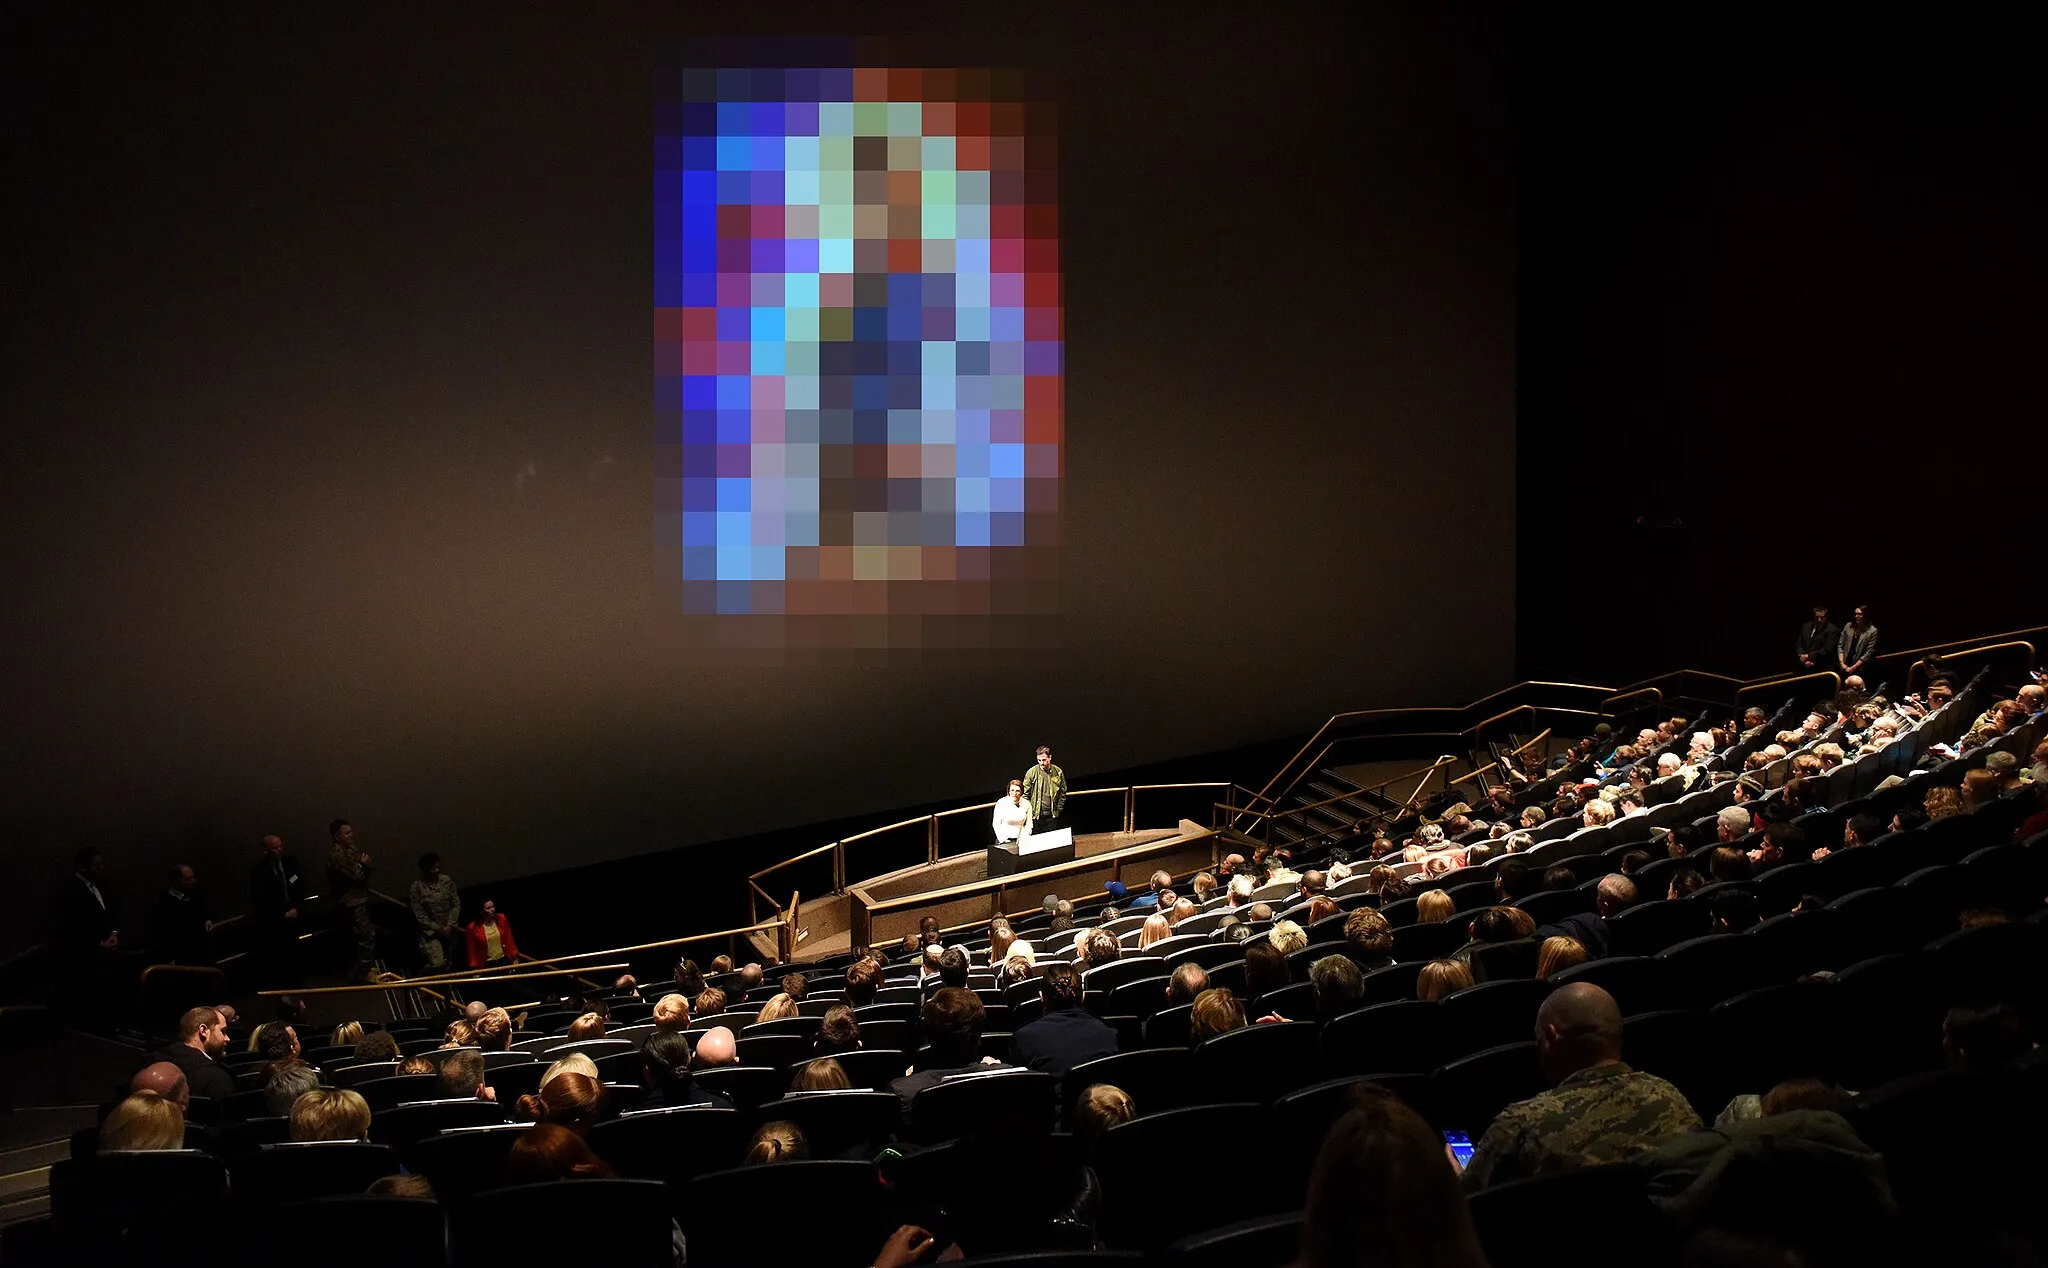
<point x="917" y="840"/>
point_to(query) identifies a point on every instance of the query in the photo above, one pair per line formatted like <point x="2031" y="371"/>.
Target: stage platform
<point x="960" y="892"/>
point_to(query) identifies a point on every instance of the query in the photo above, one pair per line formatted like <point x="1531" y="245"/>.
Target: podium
<point x="1040" y="849"/>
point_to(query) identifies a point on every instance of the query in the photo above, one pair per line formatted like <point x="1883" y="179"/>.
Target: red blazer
<point x="477" y="946"/>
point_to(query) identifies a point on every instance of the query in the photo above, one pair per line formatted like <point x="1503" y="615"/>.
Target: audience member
<point x="330" y="1114"/>
<point x="1432" y="907"/>
<point x="1599" y="1110"/>
<point x="1381" y="1181"/>
<point x="717" y="1047"/>
<point x="1984" y="1036"/>
<point x="1187" y="981"/>
<point x="1265" y="969"/>
<point x="376" y="1045"/>
<point x="462" y="1076"/>
<point x="283" y="1087"/>
<point x="1439" y="978"/>
<point x="166" y="1080"/>
<point x="952" y="1030"/>
<point x="570" y="1099"/>
<point x="145" y="1120"/>
<point x="1370" y="938"/>
<point x="1100" y="1107"/>
<point x="1063" y="1035"/>
<point x="202" y="1038"/>
<point x="779" y="1141"/>
<point x="1215" y="1011"/>
<point x="549" y="1151"/>
<point x="1558" y="953"/>
<point x="1338" y="985"/>
<point x="665" y="1062"/>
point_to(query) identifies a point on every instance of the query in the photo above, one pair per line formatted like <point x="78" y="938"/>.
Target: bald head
<point x="751" y="975"/>
<point x="475" y="1009"/>
<point x="164" y="1079"/>
<point x="717" y="1048"/>
<point x="1579" y="1025"/>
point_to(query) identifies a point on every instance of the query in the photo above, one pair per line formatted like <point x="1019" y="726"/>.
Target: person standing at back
<point x="436" y="909"/>
<point x="1045" y="787"/>
<point x="1859" y="642"/>
<point x="1818" y="641"/>
<point x="348" y="873"/>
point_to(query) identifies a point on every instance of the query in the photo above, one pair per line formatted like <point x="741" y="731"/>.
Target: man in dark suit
<point x="277" y="892"/>
<point x="86" y="908"/>
<point x="181" y="920"/>
<point x="1816" y="644"/>
<point x="1064" y="1035"/>
<point x="202" y="1037"/>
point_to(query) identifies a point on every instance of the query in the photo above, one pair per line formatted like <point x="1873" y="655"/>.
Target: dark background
<point x="1780" y="332"/>
<point x="327" y="472"/>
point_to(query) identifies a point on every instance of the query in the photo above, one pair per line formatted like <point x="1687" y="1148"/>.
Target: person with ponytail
<point x="570" y="1100"/>
<point x="778" y="1141"/>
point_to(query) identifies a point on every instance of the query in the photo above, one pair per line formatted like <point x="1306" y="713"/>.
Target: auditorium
<point x="1056" y="636"/>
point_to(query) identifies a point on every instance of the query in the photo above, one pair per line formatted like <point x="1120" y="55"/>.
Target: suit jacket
<point x="1858" y="645"/>
<point x="86" y="921"/>
<point x="209" y="1078"/>
<point x="1818" y="639"/>
<point x="181" y="927"/>
<point x="270" y="899"/>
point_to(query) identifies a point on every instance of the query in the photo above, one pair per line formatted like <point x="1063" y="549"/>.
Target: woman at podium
<point x="1012" y="815"/>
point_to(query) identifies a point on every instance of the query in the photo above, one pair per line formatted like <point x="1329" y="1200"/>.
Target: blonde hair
<point x="1943" y="802"/>
<point x="144" y="1120"/>
<point x="1155" y="929"/>
<point x="1559" y="953"/>
<point x="1215" y="1011"/>
<point x="574" y="1063"/>
<point x="671" y="1012"/>
<point x="777" y="1008"/>
<point x="348" y="1034"/>
<point x="1433" y="907"/>
<point x="1440" y="977"/>
<point x="1599" y="812"/>
<point x="1101" y="1107"/>
<point x="494" y="1030"/>
<point x="330" y="1114"/>
<point x="778" y="1141"/>
<point x="418" y="1063"/>
<point x="1287" y="936"/>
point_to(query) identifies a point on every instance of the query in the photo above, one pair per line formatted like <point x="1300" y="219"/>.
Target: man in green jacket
<point x="1045" y="787"/>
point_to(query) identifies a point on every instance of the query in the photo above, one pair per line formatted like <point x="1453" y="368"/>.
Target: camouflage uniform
<point x="1602" y="1114"/>
<point x="350" y="878"/>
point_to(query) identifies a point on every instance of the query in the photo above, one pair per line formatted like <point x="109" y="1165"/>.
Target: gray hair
<point x="1734" y="821"/>
<point x="287" y="1086"/>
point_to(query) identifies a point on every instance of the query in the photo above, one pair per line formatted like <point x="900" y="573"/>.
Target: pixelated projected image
<point x="858" y="381"/>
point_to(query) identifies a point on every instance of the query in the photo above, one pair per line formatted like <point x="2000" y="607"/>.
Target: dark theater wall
<point x="327" y="465"/>
<point x="1780" y="333"/>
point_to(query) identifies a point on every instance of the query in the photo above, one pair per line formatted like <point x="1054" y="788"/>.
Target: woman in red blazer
<point x="490" y="938"/>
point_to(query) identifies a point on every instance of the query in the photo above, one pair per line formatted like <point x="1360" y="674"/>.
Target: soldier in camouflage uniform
<point x="1599" y="1110"/>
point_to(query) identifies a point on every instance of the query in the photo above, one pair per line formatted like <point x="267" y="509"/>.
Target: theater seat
<point x="1155" y="1079"/>
<point x="1635" y="981"/>
<point x="333" y="1232"/>
<point x="672" y="1144"/>
<point x="1631" y="1228"/>
<point x="290" y="1173"/>
<point x="842" y="1224"/>
<point x="1016" y="1102"/>
<point x="554" y="1223"/>
<point x="1144" y="1193"/>
<point x="1406" y="1036"/>
<point x="1256" y="1055"/>
<point x="836" y="1124"/>
<point x="463" y="1163"/>
<point x="1469" y="1092"/>
<point x="1270" y="1241"/>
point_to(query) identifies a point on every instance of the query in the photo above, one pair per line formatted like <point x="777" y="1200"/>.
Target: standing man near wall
<point x="348" y="873"/>
<point x="436" y="907"/>
<point x="1045" y="787"/>
<point x="1818" y="641"/>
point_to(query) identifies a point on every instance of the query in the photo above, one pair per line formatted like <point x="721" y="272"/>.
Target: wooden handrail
<point x="994" y="884"/>
<point x="403" y="985"/>
<point x="829" y="845"/>
<point x="1607" y="705"/>
<point x="1767" y="684"/>
<point x="1913" y="672"/>
<point x="1516" y="751"/>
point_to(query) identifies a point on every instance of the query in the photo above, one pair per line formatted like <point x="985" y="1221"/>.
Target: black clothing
<point x="1819" y="640"/>
<point x="207" y="1077"/>
<point x="689" y="1097"/>
<point x="907" y="1087"/>
<point x="275" y="887"/>
<point x="86" y="918"/>
<point x="1060" y="1040"/>
<point x="181" y="927"/>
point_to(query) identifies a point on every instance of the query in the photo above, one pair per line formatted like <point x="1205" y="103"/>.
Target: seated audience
<point x="283" y="1088"/>
<point x="549" y="1151"/>
<point x="402" y="1186"/>
<point x="821" y="1075"/>
<point x="375" y="1045"/>
<point x="1381" y="1180"/>
<point x="1985" y="1036"/>
<point x="1338" y="985"/>
<point x="709" y="1002"/>
<point x="1155" y="929"/>
<point x="778" y="1007"/>
<point x="1100" y="1107"/>
<point x="417" y="1064"/>
<point x="1265" y="969"/>
<point x="144" y="1120"/>
<point x="1370" y="938"/>
<point x="570" y="1100"/>
<point x="1287" y="937"/>
<point x="717" y="1047"/>
<point x="164" y="1079"/>
<point x="1216" y="1010"/>
<point x="1433" y="907"/>
<point x="671" y="1013"/>
<point x="953" y="1019"/>
<point x="665" y="1066"/>
<point x="1439" y="978"/>
<point x="462" y="1077"/>
<point x="839" y="1031"/>
<point x="1064" y="1035"/>
<point x="1187" y="981"/>
<point x="1599" y="1110"/>
<point x="1558" y="953"/>
<point x="778" y="1141"/>
<point x="202" y="1038"/>
<point x="330" y="1114"/>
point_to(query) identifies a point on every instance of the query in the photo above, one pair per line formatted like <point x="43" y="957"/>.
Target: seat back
<point x="1635" y="981"/>
<point x="749" y="1087"/>
<point x="407" y="1125"/>
<point x="1014" y="1102"/>
<point x="545" y="1223"/>
<point x="1154" y="1078"/>
<point x="842" y="1223"/>
<point x="671" y="1144"/>
<point x="1467" y="1093"/>
<point x="331" y="1232"/>
<point x="1405" y="1036"/>
<point x="1503" y="1214"/>
<point x="332" y="1168"/>
<point x="1249" y="1055"/>
<point x="835" y="1124"/>
<point x="1139" y="1182"/>
<point x="466" y="1161"/>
